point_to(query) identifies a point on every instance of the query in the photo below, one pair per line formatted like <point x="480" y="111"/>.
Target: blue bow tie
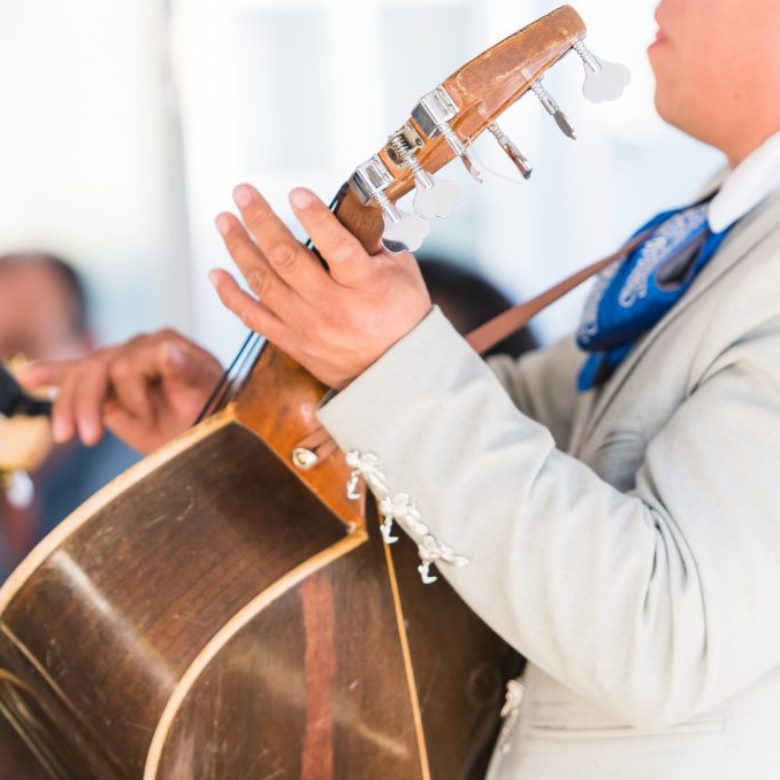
<point x="632" y="295"/>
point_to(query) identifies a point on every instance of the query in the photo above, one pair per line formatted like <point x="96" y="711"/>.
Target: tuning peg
<point x="435" y="197"/>
<point x="603" y="80"/>
<point x="472" y="167"/>
<point x="403" y="232"/>
<point x="460" y="150"/>
<point x="433" y="113"/>
<point x="514" y="154"/>
<point x="553" y="109"/>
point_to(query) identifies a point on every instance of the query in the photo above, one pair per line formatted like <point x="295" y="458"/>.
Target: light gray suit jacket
<point x="627" y="542"/>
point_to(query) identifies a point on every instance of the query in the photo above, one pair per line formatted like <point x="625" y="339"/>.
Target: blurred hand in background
<point x="145" y="391"/>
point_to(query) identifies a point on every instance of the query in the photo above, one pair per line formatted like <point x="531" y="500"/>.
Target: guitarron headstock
<point x="447" y="120"/>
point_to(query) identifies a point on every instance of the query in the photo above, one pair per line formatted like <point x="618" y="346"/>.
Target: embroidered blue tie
<point x="632" y="295"/>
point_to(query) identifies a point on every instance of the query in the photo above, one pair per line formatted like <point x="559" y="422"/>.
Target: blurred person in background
<point x="43" y="316"/>
<point x="468" y="300"/>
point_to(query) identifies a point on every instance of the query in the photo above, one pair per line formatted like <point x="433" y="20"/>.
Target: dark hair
<point x="469" y="300"/>
<point x="65" y="273"/>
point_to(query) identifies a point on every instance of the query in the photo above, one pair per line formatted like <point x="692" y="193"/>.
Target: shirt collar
<point x="747" y="185"/>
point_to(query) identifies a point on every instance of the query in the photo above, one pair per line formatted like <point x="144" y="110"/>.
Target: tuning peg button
<point x="603" y="80"/>
<point x="435" y="197"/>
<point x="403" y="232"/>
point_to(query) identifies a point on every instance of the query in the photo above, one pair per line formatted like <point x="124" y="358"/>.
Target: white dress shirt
<point x="747" y="185"/>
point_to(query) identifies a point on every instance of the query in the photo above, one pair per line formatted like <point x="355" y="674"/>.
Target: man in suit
<point x="610" y="506"/>
<point x="43" y="316"/>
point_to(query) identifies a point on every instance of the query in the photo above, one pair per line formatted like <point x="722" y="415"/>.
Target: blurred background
<point x="125" y="126"/>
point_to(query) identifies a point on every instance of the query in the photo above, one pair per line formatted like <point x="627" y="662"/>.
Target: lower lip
<point x="660" y="40"/>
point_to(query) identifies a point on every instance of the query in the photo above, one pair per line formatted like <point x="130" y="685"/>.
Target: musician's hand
<point x="145" y="391"/>
<point x="335" y="322"/>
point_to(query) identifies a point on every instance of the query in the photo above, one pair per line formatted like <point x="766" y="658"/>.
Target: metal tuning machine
<point x="403" y="232"/>
<point x="514" y="154"/>
<point x="553" y="109"/>
<point x="433" y="114"/>
<point x="603" y="80"/>
<point x="434" y="197"/>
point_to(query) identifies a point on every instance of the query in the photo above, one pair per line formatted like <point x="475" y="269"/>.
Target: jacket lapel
<point x="753" y="229"/>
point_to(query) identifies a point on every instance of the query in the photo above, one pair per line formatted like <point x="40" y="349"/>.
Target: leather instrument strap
<point x="486" y="336"/>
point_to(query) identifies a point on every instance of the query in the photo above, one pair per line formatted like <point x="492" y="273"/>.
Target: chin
<point x="682" y="115"/>
<point x="665" y="89"/>
<point x="664" y="102"/>
<point x="668" y="111"/>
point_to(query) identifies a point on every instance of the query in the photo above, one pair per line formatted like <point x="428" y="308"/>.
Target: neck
<point x="740" y="147"/>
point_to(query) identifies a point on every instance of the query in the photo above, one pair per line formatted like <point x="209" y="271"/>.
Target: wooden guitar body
<point x="206" y="616"/>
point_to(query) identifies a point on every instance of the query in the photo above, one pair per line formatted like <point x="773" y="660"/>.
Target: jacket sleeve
<point x="658" y="603"/>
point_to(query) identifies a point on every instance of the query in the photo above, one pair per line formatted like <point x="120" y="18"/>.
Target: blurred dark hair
<point x="65" y="273"/>
<point x="468" y="300"/>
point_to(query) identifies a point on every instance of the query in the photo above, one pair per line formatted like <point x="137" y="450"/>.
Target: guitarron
<point x="225" y="609"/>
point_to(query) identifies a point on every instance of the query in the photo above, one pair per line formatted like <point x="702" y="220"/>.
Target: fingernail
<point x="176" y="358"/>
<point x="60" y="430"/>
<point x="242" y="195"/>
<point x="88" y="433"/>
<point x="301" y="198"/>
<point x="223" y="224"/>
<point x="213" y="276"/>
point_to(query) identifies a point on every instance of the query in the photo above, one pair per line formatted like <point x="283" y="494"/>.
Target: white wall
<point x="88" y="153"/>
